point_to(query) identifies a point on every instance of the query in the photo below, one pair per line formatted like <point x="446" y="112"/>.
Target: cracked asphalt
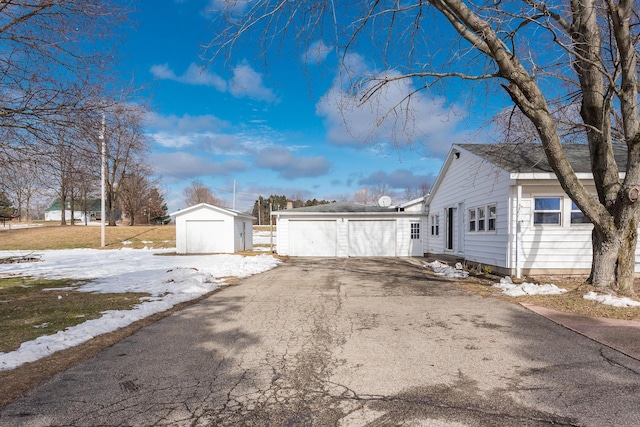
<point x="344" y="342"/>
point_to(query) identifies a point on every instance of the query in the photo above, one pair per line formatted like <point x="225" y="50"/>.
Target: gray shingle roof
<point x="527" y="158"/>
<point x="342" y="207"/>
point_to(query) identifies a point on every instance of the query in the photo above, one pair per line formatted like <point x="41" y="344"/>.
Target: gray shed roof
<point x="527" y="158"/>
<point x="340" y="207"/>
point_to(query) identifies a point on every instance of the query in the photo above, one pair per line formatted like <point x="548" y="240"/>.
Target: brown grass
<point x="18" y="381"/>
<point x="81" y="236"/>
<point x="570" y="302"/>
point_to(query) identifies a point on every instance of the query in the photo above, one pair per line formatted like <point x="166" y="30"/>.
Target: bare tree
<point x="197" y="192"/>
<point x="546" y="55"/>
<point x="54" y="60"/>
<point x="126" y="143"/>
<point x="140" y="196"/>
<point x="21" y="179"/>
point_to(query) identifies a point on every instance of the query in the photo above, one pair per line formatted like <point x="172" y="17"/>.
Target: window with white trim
<point x="415" y="231"/>
<point x="577" y="216"/>
<point x="472" y="220"/>
<point x="492" y="218"/>
<point x="435" y="225"/>
<point x="547" y="210"/>
<point x="482" y="218"/>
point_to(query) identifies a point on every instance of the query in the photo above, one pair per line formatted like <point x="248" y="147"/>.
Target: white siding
<point x="282" y="236"/>
<point x="469" y="182"/>
<point x="562" y="248"/>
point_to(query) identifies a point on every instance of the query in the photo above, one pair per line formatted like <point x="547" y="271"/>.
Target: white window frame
<point x="435" y="225"/>
<point x="492" y="217"/>
<point x="576" y="210"/>
<point x="482" y="219"/>
<point x="547" y="211"/>
<point x="414" y="230"/>
<point x="472" y="220"/>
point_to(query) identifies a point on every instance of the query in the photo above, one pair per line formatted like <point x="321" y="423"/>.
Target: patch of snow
<point x="443" y="269"/>
<point x="511" y="289"/>
<point x="168" y="279"/>
<point x="611" y="300"/>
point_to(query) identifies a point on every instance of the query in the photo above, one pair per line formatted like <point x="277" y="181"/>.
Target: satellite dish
<point x="384" y="201"/>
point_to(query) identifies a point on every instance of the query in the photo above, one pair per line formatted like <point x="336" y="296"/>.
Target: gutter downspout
<point x="518" y="198"/>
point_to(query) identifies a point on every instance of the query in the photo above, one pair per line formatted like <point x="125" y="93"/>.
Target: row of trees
<point x="60" y="98"/>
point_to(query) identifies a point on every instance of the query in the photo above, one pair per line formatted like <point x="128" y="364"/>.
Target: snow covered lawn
<point x="169" y="279"/>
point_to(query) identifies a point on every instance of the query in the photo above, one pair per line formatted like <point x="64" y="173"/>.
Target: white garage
<point x="205" y="228"/>
<point x="349" y="230"/>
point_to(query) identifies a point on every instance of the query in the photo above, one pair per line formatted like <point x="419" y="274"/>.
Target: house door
<point x="450" y="215"/>
<point x="415" y="243"/>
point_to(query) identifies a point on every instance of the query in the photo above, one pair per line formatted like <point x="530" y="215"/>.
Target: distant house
<point x="502" y="206"/>
<point x="91" y="210"/>
<point x="351" y="230"/>
<point x="205" y="228"/>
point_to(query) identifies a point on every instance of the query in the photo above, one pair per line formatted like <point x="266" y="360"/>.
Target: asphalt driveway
<point x="344" y="342"/>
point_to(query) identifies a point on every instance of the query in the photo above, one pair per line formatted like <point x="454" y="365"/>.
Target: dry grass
<point x="570" y="302"/>
<point x="16" y="382"/>
<point x="80" y="236"/>
<point x="31" y="307"/>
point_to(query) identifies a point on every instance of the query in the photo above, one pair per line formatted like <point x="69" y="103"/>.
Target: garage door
<point x="312" y="238"/>
<point x="205" y="236"/>
<point x="372" y="238"/>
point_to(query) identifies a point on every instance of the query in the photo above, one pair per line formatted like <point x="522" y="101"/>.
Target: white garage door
<point x="205" y="236"/>
<point x="312" y="238"/>
<point x="372" y="238"/>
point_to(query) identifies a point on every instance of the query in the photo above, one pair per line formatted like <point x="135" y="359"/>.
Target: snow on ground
<point x="443" y="269"/>
<point x="511" y="289"/>
<point x="169" y="279"/>
<point x="611" y="300"/>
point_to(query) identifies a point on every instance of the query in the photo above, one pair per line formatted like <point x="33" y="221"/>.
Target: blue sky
<point x="275" y="126"/>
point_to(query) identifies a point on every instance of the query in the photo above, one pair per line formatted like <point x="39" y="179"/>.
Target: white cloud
<point x="316" y="53"/>
<point x="185" y="124"/>
<point x="394" y="114"/>
<point x="246" y="82"/>
<point x="185" y="165"/>
<point x="398" y="179"/>
<point x="193" y="75"/>
<point x="289" y="166"/>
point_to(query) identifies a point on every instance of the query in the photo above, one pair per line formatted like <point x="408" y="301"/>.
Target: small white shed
<point x="205" y="228"/>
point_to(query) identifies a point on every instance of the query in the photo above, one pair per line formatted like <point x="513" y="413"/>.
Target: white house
<point x="205" y="228"/>
<point x="502" y="206"/>
<point x="351" y="230"/>
<point x="89" y="210"/>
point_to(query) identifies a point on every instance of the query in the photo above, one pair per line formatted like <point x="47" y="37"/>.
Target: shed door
<point x="372" y="238"/>
<point x="312" y="238"/>
<point x="204" y="236"/>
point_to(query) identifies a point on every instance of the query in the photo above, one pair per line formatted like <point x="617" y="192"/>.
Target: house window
<point x="435" y="225"/>
<point x="481" y="218"/>
<point x="472" y="220"/>
<point x="492" y="218"/>
<point x="547" y="210"/>
<point x="577" y="217"/>
<point x="415" y="231"/>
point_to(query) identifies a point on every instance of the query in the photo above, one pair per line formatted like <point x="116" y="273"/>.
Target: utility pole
<point x="103" y="212"/>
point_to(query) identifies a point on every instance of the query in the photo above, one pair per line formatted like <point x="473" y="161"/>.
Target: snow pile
<point x="443" y="269"/>
<point x="611" y="300"/>
<point x="511" y="289"/>
<point x="168" y="279"/>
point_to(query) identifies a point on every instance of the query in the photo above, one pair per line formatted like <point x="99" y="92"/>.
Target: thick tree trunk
<point x="613" y="264"/>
